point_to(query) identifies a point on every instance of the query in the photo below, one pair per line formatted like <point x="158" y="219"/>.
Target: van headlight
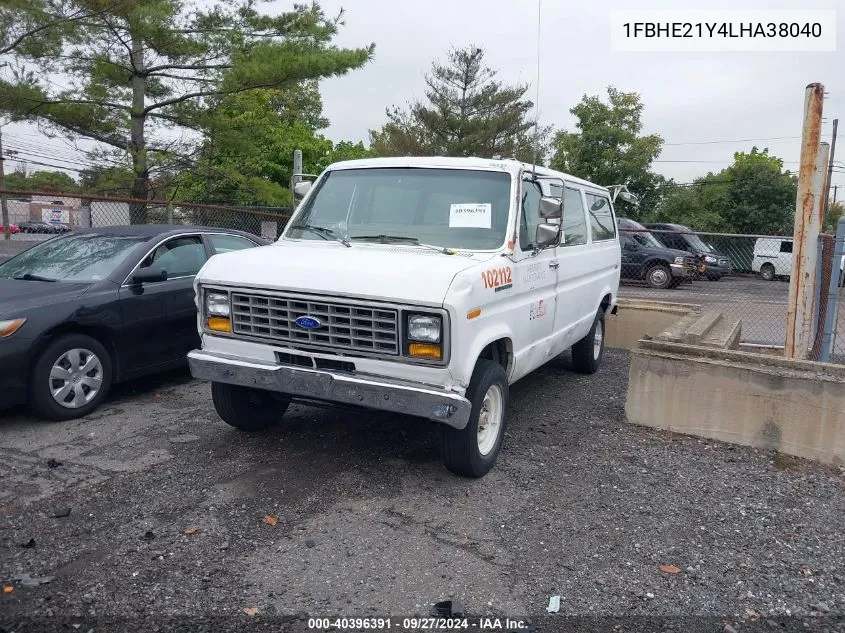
<point x="217" y="304"/>
<point x="217" y="311"/>
<point x="424" y="328"/>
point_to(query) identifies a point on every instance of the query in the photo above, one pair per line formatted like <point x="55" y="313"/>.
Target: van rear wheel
<point x="587" y="353"/>
<point x="768" y="272"/>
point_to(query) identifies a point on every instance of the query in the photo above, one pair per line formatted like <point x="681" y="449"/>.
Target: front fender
<point x="489" y="333"/>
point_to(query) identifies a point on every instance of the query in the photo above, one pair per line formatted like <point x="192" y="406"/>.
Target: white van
<point x="421" y="286"/>
<point x="773" y="257"/>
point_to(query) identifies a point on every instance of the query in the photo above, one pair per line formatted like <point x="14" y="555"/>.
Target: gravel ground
<point x="167" y="518"/>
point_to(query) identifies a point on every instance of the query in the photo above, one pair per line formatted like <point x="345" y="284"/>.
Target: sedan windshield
<point x="453" y="208"/>
<point x="83" y="257"/>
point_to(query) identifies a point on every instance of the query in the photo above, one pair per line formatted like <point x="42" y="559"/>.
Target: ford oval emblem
<point x="307" y="323"/>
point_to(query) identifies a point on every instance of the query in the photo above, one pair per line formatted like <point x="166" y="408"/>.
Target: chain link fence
<point x="36" y="215"/>
<point x="745" y="277"/>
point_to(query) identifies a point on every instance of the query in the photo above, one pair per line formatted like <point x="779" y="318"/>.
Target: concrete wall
<point x="796" y="407"/>
<point x="637" y="318"/>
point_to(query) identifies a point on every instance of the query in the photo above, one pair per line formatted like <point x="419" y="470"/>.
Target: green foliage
<point x="753" y="195"/>
<point x="47" y="181"/>
<point x="835" y="210"/>
<point x="107" y="181"/>
<point x="135" y="70"/>
<point x="608" y="148"/>
<point x="466" y="112"/>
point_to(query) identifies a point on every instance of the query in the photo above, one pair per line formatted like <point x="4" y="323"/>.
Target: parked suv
<point x="712" y="264"/>
<point x="645" y="258"/>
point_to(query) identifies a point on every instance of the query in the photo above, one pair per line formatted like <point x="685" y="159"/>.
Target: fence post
<point x="810" y="179"/>
<point x="830" y="320"/>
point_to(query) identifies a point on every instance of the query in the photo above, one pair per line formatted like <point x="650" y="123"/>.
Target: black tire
<point x="248" y="409"/>
<point x="767" y="271"/>
<point x="584" y="357"/>
<point x="41" y="384"/>
<point x="659" y="276"/>
<point x="460" y="450"/>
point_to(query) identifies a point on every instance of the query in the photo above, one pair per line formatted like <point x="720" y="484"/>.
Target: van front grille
<point x="335" y="325"/>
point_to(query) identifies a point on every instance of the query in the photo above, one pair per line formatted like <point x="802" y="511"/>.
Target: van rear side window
<point x="786" y="247"/>
<point x="601" y="217"/>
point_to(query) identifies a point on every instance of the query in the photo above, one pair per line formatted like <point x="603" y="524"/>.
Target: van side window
<point x="601" y="217"/>
<point x="786" y="247"/>
<point x="529" y="216"/>
<point x="574" y="219"/>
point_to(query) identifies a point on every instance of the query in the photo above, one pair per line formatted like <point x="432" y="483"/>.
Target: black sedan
<point x="82" y="311"/>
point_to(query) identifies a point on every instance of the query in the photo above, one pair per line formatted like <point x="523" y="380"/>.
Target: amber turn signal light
<point x="424" y="350"/>
<point x="219" y="324"/>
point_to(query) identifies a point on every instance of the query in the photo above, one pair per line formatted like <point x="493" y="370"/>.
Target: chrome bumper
<point x="298" y="382"/>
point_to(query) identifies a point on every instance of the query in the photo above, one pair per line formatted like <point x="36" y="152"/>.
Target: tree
<point x="138" y="71"/>
<point x="46" y="181"/>
<point x="753" y="195"/>
<point x="466" y="112"/>
<point x="835" y="210"/>
<point x="609" y="149"/>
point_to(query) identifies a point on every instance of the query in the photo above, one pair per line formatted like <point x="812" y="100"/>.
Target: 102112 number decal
<point x="497" y="278"/>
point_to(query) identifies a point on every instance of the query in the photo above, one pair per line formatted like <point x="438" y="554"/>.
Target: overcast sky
<point x="690" y="98"/>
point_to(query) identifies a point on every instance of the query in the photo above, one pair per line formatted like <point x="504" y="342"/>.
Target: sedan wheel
<point x="76" y="378"/>
<point x="70" y="378"/>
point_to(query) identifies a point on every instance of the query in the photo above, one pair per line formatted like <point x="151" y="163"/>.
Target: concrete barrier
<point x="636" y="319"/>
<point x="760" y="400"/>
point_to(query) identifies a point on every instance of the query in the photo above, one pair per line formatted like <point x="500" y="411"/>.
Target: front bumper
<point x="718" y="269"/>
<point x="334" y="387"/>
<point x="682" y="270"/>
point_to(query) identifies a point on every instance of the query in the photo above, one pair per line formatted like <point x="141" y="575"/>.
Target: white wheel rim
<point x="490" y="419"/>
<point x="598" y="339"/>
<point x="658" y="276"/>
<point x="76" y="378"/>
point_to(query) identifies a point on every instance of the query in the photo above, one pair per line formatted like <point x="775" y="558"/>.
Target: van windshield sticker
<point x="471" y="215"/>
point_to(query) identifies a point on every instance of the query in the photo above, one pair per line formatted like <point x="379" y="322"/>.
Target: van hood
<point x="385" y="272"/>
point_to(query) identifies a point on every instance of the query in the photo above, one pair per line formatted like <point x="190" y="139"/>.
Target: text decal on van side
<point x="471" y="215"/>
<point x="498" y="278"/>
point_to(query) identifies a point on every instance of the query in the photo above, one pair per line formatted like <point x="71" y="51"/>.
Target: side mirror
<point x="546" y="234"/>
<point x="150" y="274"/>
<point x="551" y="208"/>
<point x="301" y="188"/>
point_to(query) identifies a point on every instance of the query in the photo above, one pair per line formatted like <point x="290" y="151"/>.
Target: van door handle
<point x="553" y="264"/>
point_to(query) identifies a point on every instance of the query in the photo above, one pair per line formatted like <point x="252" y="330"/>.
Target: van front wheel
<point x="247" y="409"/>
<point x="472" y="451"/>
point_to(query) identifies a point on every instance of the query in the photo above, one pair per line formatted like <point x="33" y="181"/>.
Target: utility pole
<point x="830" y="171"/>
<point x="3" y="204"/>
<point x="809" y="205"/>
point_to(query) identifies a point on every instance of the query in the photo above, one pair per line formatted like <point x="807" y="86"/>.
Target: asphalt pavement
<point x="152" y="508"/>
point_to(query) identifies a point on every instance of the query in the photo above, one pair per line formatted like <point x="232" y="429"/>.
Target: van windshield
<point x="453" y="208"/>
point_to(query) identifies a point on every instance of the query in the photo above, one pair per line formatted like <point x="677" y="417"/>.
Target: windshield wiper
<point x="402" y="238"/>
<point x="29" y="277"/>
<point x="321" y="230"/>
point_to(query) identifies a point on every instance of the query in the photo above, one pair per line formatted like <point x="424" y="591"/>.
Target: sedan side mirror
<point x="551" y="208"/>
<point x="150" y="274"/>
<point x="546" y="234"/>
